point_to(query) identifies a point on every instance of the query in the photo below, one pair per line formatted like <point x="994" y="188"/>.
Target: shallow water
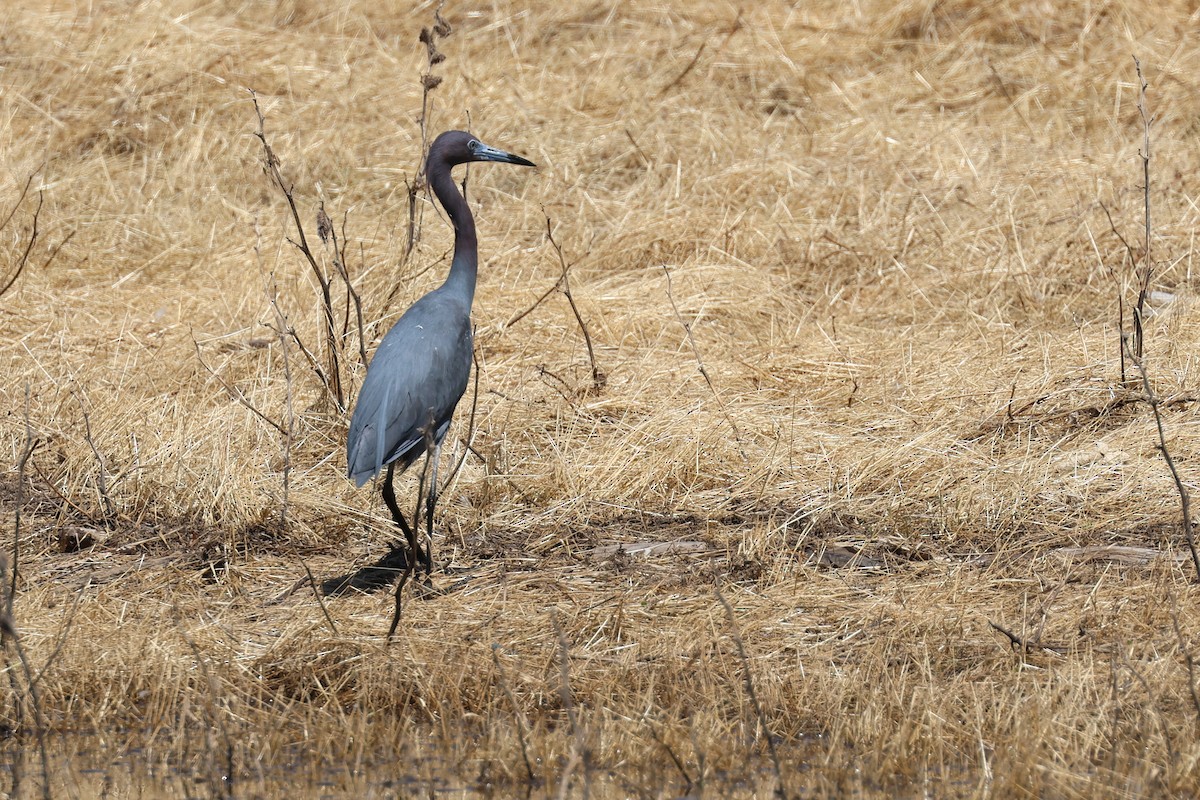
<point x="89" y="767"/>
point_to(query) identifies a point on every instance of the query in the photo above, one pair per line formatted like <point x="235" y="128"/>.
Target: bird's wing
<point x="415" y="380"/>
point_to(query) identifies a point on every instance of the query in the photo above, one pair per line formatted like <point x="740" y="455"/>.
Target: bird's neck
<point x="465" y="266"/>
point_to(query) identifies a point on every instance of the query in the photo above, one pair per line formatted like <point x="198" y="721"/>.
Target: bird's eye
<point x="473" y="145"/>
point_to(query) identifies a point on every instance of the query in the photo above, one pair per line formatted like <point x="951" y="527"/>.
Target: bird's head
<point x="460" y="147"/>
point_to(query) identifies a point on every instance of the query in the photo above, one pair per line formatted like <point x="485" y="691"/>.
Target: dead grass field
<point x="885" y="229"/>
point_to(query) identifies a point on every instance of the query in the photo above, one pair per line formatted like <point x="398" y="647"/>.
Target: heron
<point x="417" y="376"/>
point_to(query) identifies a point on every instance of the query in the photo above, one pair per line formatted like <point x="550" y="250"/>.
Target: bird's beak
<point x="487" y="153"/>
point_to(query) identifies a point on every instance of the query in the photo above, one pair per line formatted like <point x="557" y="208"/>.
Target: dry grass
<point x="884" y="228"/>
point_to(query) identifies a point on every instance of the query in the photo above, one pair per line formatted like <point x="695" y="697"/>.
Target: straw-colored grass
<point x="885" y="229"/>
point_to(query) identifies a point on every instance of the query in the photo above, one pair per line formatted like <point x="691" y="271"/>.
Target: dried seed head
<point x="430" y="81"/>
<point x="436" y="58"/>
<point x="426" y="37"/>
<point x="441" y="27"/>
<point x="324" y="225"/>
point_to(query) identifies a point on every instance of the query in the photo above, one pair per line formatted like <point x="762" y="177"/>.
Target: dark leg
<point x="401" y="560"/>
<point x="389" y="497"/>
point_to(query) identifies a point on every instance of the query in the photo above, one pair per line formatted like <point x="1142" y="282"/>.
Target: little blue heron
<point x="418" y="374"/>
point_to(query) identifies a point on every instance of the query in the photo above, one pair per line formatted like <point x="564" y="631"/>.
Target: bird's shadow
<point x="381" y="574"/>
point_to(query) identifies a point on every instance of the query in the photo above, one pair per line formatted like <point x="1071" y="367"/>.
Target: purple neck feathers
<point x="465" y="265"/>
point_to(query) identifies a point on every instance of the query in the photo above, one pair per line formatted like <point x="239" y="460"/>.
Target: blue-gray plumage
<point x="415" y="380"/>
<point x="420" y="369"/>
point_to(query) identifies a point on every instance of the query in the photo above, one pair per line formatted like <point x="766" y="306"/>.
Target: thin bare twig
<point x="317" y="593"/>
<point x="20" y="199"/>
<point x="66" y="501"/>
<point x="468" y="439"/>
<point x="337" y="254"/>
<point x="1023" y="644"/>
<point x="1147" y="262"/>
<point x="599" y="379"/>
<point x="11" y="639"/>
<point x="1136" y="351"/>
<point x="66" y="629"/>
<point x="101" y="472"/>
<point x="1120" y="290"/>
<point x="1186" y="652"/>
<point x="1008" y="95"/>
<point x="221" y="785"/>
<point x="236" y="394"/>
<point x="331" y="377"/>
<point x="289" y="433"/>
<point x="352" y="296"/>
<point x="428" y="37"/>
<point x="271" y="290"/>
<point x="687" y="778"/>
<point x="8" y="631"/>
<point x="579" y="749"/>
<point x="641" y="153"/>
<point x="737" y="434"/>
<point x="31" y="444"/>
<point x="29" y="243"/>
<point x="522" y="314"/>
<point x="487" y="464"/>
<point x="1184" y="498"/>
<point x="1151" y="706"/>
<point x="735" y="634"/>
<point x="520" y="718"/>
<point x="690" y="66"/>
<point x="733" y="28"/>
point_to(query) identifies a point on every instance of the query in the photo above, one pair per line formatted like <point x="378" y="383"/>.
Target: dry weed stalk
<point x="1147" y="267"/>
<point x="734" y="27"/>
<point x="329" y="374"/>
<point x="679" y="766"/>
<point x="10" y="639"/>
<point x="687" y="329"/>
<point x="468" y="440"/>
<point x="110" y="512"/>
<point x="8" y="631"/>
<point x="1154" y="402"/>
<point x="281" y="325"/>
<point x="288" y="434"/>
<point x="1184" y="650"/>
<point x="1120" y="286"/>
<point x="312" y="582"/>
<point x="428" y="37"/>
<point x="6" y="281"/>
<point x="1151" y="709"/>
<point x="236" y="394"/>
<point x="599" y="379"/>
<point x="220" y="777"/>
<point x="579" y="748"/>
<point x="530" y="778"/>
<point x="748" y="680"/>
<point x="31" y="444"/>
<point x="329" y="238"/>
<point x="1135" y="350"/>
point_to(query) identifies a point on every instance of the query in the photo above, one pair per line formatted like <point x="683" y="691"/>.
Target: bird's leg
<point x="430" y="503"/>
<point x="389" y="497"/>
<point x="401" y="559"/>
<point x="427" y="557"/>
